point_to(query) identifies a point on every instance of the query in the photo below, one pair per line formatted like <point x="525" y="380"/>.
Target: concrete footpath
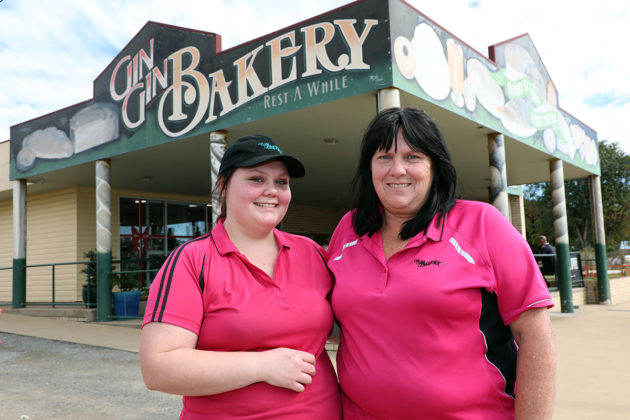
<point x="593" y="356"/>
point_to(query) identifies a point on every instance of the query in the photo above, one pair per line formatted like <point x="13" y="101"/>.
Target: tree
<point x="615" y="184"/>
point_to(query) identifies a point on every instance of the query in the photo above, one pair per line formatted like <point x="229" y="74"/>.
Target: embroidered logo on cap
<point x="269" y="146"/>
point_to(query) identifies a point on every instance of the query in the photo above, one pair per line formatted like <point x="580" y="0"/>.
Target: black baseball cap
<point x="255" y="149"/>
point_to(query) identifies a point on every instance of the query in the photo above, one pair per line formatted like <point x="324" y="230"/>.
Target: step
<point x="68" y="313"/>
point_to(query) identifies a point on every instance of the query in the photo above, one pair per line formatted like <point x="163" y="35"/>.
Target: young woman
<point x="237" y="320"/>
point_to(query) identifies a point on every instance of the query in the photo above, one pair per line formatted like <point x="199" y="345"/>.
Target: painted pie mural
<point x="517" y="92"/>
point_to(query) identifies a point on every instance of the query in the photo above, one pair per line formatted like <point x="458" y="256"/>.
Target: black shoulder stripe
<point x="201" y="281"/>
<point x="214" y="242"/>
<point x="158" y="298"/>
<point x="332" y="276"/>
<point x="165" y="284"/>
<point x="320" y="255"/>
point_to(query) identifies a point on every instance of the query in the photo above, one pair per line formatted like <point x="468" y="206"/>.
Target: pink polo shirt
<point x="425" y="334"/>
<point x="208" y="287"/>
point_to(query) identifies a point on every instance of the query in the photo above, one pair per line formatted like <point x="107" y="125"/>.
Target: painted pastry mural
<point x="92" y="126"/>
<point x="515" y="96"/>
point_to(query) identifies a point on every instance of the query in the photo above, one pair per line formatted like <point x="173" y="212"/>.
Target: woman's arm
<point x="536" y="365"/>
<point x="170" y="363"/>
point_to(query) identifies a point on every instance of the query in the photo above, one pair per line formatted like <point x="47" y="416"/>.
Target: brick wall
<point x="579" y="298"/>
<point x="619" y="290"/>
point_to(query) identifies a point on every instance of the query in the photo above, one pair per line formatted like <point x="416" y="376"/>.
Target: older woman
<point x="237" y="319"/>
<point x="436" y="297"/>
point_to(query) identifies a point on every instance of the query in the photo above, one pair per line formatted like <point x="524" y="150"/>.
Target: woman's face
<point x="258" y="197"/>
<point x="402" y="178"/>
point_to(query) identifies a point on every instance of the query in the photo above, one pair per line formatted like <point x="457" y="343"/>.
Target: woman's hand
<point x="170" y="362"/>
<point x="287" y="368"/>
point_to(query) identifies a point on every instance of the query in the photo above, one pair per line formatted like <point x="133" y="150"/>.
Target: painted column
<point x="103" y="241"/>
<point x="561" y="230"/>
<point x="498" y="175"/>
<point x="218" y="140"/>
<point x="19" y="243"/>
<point x="388" y="98"/>
<point x="603" y="287"/>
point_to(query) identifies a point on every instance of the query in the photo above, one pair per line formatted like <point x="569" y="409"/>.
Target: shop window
<point x="150" y="229"/>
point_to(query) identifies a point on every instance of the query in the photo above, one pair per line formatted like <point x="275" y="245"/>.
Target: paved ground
<point x="49" y="379"/>
<point x="593" y="363"/>
<point x="54" y="369"/>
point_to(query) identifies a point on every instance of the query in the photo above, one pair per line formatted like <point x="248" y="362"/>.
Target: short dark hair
<point x="421" y="134"/>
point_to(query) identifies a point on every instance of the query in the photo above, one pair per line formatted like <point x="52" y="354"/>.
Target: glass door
<point x="141" y="236"/>
<point x="150" y="229"/>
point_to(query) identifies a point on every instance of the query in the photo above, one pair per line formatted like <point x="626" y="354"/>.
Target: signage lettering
<point x="192" y="95"/>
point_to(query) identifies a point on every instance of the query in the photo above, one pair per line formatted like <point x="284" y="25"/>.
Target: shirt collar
<point x="221" y="239"/>
<point x="435" y="230"/>
<point x="225" y="245"/>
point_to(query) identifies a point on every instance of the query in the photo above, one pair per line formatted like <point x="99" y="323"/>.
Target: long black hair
<point x="421" y="134"/>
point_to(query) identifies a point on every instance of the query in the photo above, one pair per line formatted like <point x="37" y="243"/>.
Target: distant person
<point x="548" y="263"/>
<point x="237" y="319"/>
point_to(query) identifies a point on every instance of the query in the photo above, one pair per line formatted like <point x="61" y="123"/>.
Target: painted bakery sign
<point x="515" y="96"/>
<point x="172" y="82"/>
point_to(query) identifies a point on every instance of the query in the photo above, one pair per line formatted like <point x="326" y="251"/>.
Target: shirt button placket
<point x="281" y="298"/>
<point x="382" y="280"/>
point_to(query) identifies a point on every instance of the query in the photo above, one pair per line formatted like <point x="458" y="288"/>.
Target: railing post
<point x="53" y="284"/>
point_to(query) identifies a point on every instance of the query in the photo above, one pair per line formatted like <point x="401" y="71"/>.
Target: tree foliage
<point x="615" y="186"/>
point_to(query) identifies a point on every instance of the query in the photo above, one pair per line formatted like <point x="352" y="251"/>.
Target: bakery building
<point x="129" y="173"/>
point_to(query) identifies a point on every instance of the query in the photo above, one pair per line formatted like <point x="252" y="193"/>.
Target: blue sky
<point x="51" y="52"/>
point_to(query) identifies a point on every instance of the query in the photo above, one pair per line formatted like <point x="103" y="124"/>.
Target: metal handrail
<point x="53" y="266"/>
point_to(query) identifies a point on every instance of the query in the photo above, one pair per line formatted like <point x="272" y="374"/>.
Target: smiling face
<point x="402" y="179"/>
<point x="257" y="198"/>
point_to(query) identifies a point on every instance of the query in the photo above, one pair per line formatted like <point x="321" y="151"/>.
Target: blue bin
<point x="126" y="303"/>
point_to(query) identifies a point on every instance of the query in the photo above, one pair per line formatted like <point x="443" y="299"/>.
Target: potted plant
<point x="89" y="287"/>
<point x="127" y="297"/>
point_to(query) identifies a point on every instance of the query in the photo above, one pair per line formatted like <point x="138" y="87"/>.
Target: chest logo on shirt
<point x="423" y="263"/>
<point x="461" y="251"/>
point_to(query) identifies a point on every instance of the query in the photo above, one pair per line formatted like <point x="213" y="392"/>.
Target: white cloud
<point x="50" y="52"/>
